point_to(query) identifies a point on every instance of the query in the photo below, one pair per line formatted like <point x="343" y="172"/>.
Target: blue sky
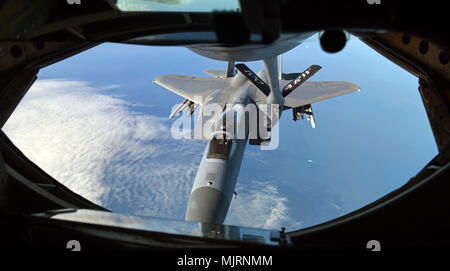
<point x="102" y="130"/>
<point x="178" y="5"/>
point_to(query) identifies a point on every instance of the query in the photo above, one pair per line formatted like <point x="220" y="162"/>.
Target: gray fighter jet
<point x="269" y="92"/>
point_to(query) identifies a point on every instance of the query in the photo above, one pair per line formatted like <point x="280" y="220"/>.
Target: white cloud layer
<point x="259" y="204"/>
<point x="95" y="144"/>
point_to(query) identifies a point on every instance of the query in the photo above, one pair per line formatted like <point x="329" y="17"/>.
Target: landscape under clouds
<point x="95" y="144"/>
<point x="105" y="133"/>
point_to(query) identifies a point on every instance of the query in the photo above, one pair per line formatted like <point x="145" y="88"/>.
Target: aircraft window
<point x="178" y="5"/>
<point x="219" y="148"/>
<point x="105" y="135"/>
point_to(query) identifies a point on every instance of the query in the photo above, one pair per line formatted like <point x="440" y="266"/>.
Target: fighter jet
<point x="234" y="91"/>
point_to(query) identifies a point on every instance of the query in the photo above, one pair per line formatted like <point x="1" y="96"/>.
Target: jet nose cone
<point x="207" y="204"/>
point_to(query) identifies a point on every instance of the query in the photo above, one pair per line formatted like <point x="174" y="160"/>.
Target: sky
<point x="98" y="124"/>
<point x="178" y="5"/>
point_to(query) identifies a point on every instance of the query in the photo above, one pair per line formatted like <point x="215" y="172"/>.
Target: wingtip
<point x="159" y="80"/>
<point x="156" y="79"/>
<point x="355" y="86"/>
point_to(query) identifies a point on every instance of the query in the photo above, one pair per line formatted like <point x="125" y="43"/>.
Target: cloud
<point x="336" y="205"/>
<point x="259" y="204"/>
<point x="73" y="132"/>
<point x="96" y="144"/>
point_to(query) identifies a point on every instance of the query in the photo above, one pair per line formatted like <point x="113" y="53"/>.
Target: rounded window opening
<point x="97" y="124"/>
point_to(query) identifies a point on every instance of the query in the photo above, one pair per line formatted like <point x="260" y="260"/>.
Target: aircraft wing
<point x="312" y="92"/>
<point x="190" y="87"/>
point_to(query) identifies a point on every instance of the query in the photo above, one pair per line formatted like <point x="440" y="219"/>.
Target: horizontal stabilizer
<point x="216" y="73"/>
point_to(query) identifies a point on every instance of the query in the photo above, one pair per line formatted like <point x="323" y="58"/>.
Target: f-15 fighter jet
<point x="246" y="107"/>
